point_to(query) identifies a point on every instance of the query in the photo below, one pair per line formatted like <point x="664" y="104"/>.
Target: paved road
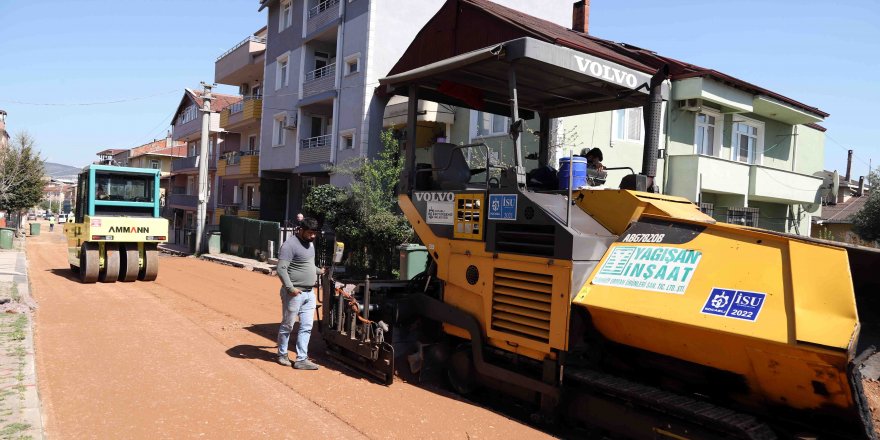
<point x="191" y="356"/>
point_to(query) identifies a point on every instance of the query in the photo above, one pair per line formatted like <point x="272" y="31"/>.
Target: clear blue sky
<point x="822" y="53"/>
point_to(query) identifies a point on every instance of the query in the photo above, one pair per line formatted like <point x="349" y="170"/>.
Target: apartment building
<point x="747" y="155"/>
<point x="182" y="202"/>
<point x="323" y="61"/>
<point x="238" y="169"/>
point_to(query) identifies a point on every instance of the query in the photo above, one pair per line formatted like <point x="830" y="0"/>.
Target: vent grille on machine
<point x="525" y="239"/>
<point x="521" y="303"/>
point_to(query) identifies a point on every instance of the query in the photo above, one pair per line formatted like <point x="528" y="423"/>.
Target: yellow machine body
<point x="111" y="229"/>
<point x="792" y="348"/>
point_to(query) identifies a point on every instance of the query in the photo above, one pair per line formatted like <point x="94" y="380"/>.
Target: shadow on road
<point x="64" y="273"/>
<point x="261" y="352"/>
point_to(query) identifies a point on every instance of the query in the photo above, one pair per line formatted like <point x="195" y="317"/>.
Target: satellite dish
<point x="811" y="207"/>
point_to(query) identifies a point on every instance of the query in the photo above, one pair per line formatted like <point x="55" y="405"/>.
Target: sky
<point x="65" y="64"/>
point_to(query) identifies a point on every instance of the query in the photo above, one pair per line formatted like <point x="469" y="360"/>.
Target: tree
<point x="21" y="175"/>
<point x="866" y="222"/>
<point x="50" y="205"/>
<point x="365" y="216"/>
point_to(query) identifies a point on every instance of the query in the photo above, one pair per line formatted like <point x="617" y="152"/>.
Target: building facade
<point x="182" y="202"/>
<point x="238" y="165"/>
<point x="745" y="154"/>
<point x="323" y="62"/>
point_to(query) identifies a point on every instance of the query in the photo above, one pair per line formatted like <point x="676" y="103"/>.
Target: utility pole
<point x="203" y="166"/>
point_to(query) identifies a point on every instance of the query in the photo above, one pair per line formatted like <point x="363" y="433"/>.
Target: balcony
<point x="690" y="174"/>
<point x="322" y="14"/>
<point x="247" y="111"/>
<point x="182" y="201"/>
<point x="239" y="211"/>
<point x="319" y="80"/>
<point x="190" y="164"/>
<point x="315" y="149"/>
<point x="242" y="63"/>
<point x="780" y="186"/>
<point x="239" y="164"/>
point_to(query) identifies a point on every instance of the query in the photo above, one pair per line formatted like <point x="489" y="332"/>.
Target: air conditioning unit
<point x="691" y="105"/>
<point x="290" y="122"/>
<point x="244" y="89"/>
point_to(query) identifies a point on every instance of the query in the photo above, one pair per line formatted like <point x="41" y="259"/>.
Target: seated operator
<point x="594" y="159"/>
<point x="101" y="193"/>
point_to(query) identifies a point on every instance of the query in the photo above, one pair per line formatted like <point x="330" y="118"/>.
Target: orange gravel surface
<point x="191" y="355"/>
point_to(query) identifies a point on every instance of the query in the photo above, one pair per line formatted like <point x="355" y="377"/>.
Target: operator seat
<point x="451" y="169"/>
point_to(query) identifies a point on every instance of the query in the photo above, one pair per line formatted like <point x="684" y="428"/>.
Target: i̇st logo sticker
<point x="732" y="303"/>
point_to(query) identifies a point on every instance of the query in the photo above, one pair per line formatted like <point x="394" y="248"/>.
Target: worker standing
<point x="298" y="273"/>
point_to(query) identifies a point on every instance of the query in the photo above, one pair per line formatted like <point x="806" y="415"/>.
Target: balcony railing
<point x="250" y="39"/>
<point x="321" y="7"/>
<point x="239" y="106"/>
<point x="316" y="142"/>
<point x="317" y="74"/>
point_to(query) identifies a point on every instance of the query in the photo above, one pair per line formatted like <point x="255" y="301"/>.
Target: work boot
<point x="284" y="360"/>
<point x="305" y="364"/>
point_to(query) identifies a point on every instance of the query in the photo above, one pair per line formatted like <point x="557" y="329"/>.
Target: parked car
<point x="31" y="216"/>
<point x="62" y="218"/>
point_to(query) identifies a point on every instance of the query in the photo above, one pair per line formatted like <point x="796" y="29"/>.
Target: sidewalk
<point x="181" y="250"/>
<point x="20" y="411"/>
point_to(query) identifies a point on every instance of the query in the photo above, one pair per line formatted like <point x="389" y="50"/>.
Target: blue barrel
<point x="579" y="177"/>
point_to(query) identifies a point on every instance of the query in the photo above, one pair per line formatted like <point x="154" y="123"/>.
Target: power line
<point x="117" y="101"/>
<point x="840" y="145"/>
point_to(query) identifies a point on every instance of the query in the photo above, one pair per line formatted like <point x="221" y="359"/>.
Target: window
<point x="627" y="124"/>
<point x="707" y="136"/>
<point x="188" y="114"/>
<point x="488" y="124"/>
<point x="281" y="72"/>
<point x="286" y="18"/>
<point x="352" y="64"/>
<point x="192" y="149"/>
<point x="278" y="130"/>
<point x="124" y="189"/>
<point x="154" y="164"/>
<point x="191" y="185"/>
<point x="346" y="140"/>
<point x="321" y="59"/>
<point x="252" y="142"/>
<point x="748" y="141"/>
<point x="257" y="92"/>
<point x="307" y="184"/>
<point x="743" y="216"/>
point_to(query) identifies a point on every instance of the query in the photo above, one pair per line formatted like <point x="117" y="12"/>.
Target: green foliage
<point x="50" y="205"/>
<point x="866" y="222"/>
<point x="825" y="233"/>
<point x="364" y="216"/>
<point x="21" y="175"/>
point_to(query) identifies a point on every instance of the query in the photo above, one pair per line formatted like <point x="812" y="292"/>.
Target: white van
<point x="62" y="218"/>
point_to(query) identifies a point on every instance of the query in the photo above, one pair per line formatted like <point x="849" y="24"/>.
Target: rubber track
<point x="687" y="409"/>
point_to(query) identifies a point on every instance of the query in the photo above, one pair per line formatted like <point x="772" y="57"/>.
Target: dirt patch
<point x="192" y="355"/>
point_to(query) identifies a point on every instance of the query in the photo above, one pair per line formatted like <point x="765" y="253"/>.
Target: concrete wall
<point x="809" y="151"/>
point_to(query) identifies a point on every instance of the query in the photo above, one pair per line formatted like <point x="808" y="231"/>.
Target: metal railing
<point x="238" y="107"/>
<point x="322" y="6"/>
<point x="316" y="142"/>
<point x="327" y="70"/>
<point x="234" y="157"/>
<point x="249" y="39"/>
